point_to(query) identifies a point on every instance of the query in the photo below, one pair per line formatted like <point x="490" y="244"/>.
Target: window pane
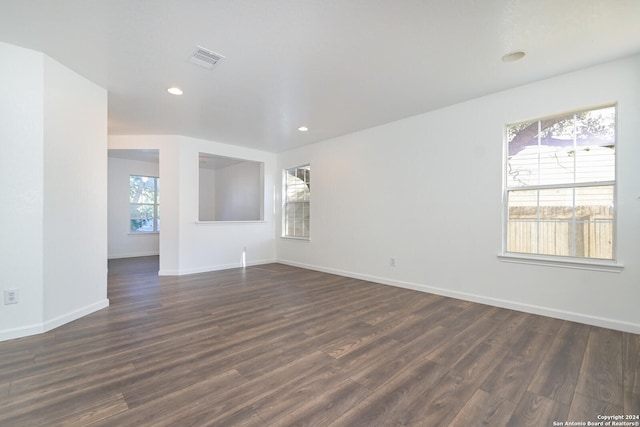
<point x="290" y="220"/>
<point x="595" y="145"/>
<point x="298" y="180"/>
<point x="141" y="189"/>
<point x="557" y="162"/>
<point x="307" y="177"/>
<point x="522" y="168"/>
<point x="594" y="222"/>
<point x="522" y="160"/>
<point x="141" y="218"/>
<point x="558" y="131"/>
<point x="289" y="227"/>
<point x="297" y="190"/>
<point x="556" y="222"/>
<point x="296" y="204"/>
<point x="521" y="135"/>
<point x="522" y="226"/>
<point x="556" y="165"/>
<point x="596" y="127"/>
<point x="595" y="164"/>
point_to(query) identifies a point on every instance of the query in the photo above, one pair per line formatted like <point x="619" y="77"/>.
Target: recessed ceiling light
<point x="303" y="128"/>
<point x="174" y="91"/>
<point x="513" y="56"/>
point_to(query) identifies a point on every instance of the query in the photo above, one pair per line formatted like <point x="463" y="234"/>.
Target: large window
<point x="560" y="185"/>
<point x="144" y="204"/>
<point x="297" y="197"/>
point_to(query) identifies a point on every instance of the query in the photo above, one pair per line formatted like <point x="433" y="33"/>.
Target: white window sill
<point x="144" y="233"/>
<point x="256" y="221"/>
<point x="563" y="262"/>
<point x="299" y="239"/>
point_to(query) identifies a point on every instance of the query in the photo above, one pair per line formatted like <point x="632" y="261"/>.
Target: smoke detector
<point x="205" y="58"/>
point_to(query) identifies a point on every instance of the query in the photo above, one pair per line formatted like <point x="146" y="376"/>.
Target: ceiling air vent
<point x="205" y="58"/>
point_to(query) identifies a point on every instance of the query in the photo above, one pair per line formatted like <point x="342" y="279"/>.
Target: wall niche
<point x="230" y="189"/>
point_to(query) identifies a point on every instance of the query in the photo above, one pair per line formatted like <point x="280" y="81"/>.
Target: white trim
<point x="633" y="328"/>
<point x="563" y="262"/>
<point x="300" y="239"/>
<point x="134" y="255"/>
<point x="251" y="221"/>
<point x="23" y="331"/>
<point x="75" y="314"/>
<point x="39" y="328"/>
<point x="207" y="269"/>
<point x="571" y="185"/>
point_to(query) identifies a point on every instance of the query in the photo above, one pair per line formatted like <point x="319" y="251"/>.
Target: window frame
<point x="285" y="203"/>
<point x="155" y="205"/>
<point x="571" y="261"/>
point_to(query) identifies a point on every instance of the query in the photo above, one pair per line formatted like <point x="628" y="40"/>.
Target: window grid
<point x="559" y="197"/>
<point x="296" y="202"/>
<point x="144" y="204"/>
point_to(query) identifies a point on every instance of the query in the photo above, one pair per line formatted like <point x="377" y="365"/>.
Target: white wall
<point x="427" y="191"/>
<point x="169" y="151"/>
<point x="238" y="192"/>
<point x="75" y="200"/>
<point x="187" y="246"/>
<point x="123" y="243"/>
<point x="54" y="242"/>
<point x="21" y="188"/>
<point x="207" y="195"/>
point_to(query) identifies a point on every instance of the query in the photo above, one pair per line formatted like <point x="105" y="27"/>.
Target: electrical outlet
<point x="10" y="296"/>
<point x="392" y="262"/>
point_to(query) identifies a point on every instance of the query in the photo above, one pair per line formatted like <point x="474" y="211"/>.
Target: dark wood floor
<point x="280" y="346"/>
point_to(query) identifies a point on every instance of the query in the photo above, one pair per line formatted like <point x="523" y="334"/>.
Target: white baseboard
<point x="23" y="331"/>
<point x="133" y="255"/>
<point x="74" y="315"/>
<point x="497" y="302"/>
<point x="206" y="269"/>
<point x="39" y="328"/>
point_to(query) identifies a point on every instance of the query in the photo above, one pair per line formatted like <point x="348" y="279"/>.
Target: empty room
<point x="322" y="213"/>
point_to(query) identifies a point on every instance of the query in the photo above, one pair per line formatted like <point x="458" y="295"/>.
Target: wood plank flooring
<point x="275" y="345"/>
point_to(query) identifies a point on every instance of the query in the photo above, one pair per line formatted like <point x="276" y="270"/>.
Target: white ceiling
<point x="210" y="161"/>
<point x="336" y="66"/>
<point x="149" y="156"/>
<point x="205" y="160"/>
